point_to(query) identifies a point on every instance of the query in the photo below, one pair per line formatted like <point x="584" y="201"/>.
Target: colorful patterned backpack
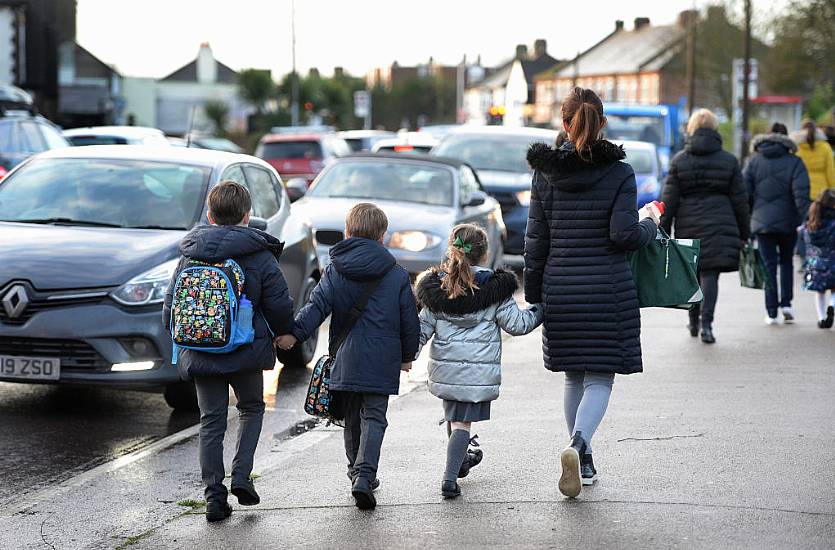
<point x="209" y="311"/>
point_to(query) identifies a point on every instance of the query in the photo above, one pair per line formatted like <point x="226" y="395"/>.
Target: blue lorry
<point x="658" y="124"/>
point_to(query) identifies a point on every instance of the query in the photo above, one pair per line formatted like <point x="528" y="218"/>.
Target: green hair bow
<point x="466" y="247"/>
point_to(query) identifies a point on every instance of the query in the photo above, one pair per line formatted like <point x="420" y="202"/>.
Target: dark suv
<point x="22" y="131"/>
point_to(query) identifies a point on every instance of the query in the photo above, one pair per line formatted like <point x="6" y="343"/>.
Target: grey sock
<point x="456" y="450"/>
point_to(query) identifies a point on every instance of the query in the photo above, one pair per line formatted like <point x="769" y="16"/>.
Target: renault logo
<point x="15" y="301"/>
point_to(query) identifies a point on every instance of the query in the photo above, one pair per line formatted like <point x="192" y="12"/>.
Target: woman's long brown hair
<point x="582" y="112"/>
<point x="825" y="200"/>
<point x="810" y="133"/>
<point x="459" y="278"/>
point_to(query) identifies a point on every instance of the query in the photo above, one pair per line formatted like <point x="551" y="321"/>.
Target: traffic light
<point x="308" y="106"/>
<point x="495" y="115"/>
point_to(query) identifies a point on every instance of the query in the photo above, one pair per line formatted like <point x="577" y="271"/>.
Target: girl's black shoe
<point x="707" y="335"/>
<point x="450" y="489"/>
<point x="473" y="458"/>
<point x="217" y="510"/>
<point x="588" y="473"/>
<point x="830" y="318"/>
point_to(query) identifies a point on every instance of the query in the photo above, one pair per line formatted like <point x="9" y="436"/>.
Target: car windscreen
<point x="394" y="181"/>
<point x="291" y="150"/>
<point x="501" y="153"/>
<point x="640" y="160"/>
<point x="97" y="140"/>
<point x="635" y="128"/>
<point x="119" y="193"/>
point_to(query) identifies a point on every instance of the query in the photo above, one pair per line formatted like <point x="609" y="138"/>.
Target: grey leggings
<point x="585" y="401"/>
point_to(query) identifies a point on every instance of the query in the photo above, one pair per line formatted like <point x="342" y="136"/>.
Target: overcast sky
<point x="155" y="37"/>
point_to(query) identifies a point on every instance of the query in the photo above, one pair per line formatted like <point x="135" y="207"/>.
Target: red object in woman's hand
<point x="660" y="206"/>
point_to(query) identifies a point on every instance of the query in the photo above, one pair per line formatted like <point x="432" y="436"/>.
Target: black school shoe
<point x="450" y="489"/>
<point x="830" y="318"/>
<point x="247" y="496"/>
<point x="707" y="335"/>
<point x="588" y="474"/>
<point x="473" y="459"/>
<point x="570" y="482"/>
<point x="217" y="510"/>
<point x="363" y="493"/>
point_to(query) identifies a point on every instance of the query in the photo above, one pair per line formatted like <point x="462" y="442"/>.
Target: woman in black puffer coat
<point x="778" y="192"/>
<point x="706" y="200"/>
<point x="582" y="220"/>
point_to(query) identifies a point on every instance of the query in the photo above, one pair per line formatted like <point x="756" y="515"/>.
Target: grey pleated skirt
<point x="458" y="411"/>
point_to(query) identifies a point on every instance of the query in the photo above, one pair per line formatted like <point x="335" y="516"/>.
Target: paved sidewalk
<point x="729" y="446"/>
<point x="725" y="446"/>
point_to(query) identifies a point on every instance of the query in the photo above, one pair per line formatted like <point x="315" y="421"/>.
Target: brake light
<point x="403" y="148"/>
<point x="3" y="172"/>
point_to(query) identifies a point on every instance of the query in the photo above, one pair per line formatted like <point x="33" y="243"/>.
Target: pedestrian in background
<point x="778" y="193"/>
<point x="817" y="156"/>
<point x="465" y="308"/>
<point x="581" y="223"/>
<point x="820" y="261"/>
<point x="705" y="199"/>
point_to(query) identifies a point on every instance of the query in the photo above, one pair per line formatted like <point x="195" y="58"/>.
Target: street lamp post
<point x="294" y="83"/>
<point x="746" y="80"/>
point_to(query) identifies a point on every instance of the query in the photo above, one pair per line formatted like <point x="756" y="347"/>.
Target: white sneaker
<point x="772" y="320"/>
<point x="788" y="315"/>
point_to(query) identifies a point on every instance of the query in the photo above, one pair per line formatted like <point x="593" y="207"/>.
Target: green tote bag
<point x="665" y="272"/>
<point x="752" y="271"/>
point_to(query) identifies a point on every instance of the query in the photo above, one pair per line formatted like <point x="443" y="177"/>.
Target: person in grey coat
<point x="465" y="307"/>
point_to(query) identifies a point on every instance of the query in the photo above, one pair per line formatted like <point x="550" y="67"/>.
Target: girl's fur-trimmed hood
<point x="499" y="287"/>
<point x="565" y="160"/>
<point x="785" y="141"/>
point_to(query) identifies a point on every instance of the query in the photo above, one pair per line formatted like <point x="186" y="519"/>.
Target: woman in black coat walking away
<point x="706" y="200"/>
<point x="778" y="192"/>
<point x="582" y="220"/>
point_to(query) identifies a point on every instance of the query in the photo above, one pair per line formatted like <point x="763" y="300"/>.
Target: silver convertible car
<point x="88" y="243"/>
<point x="424" y="198"/>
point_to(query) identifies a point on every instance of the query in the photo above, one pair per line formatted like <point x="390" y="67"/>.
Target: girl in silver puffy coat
<point x="464" y="306"/>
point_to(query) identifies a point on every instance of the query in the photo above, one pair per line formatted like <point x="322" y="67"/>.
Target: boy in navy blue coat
<point x="384" y="341"/>
<point x="257" y="253"/>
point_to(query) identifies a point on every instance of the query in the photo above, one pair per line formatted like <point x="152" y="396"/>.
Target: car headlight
<point x="413" y="241"/>
<point x="649" y="186"/>
<point x="147" y="288"/>
<point x="524" y="197"/>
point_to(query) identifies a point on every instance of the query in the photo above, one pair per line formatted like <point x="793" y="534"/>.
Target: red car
<point x="300" y="155"/>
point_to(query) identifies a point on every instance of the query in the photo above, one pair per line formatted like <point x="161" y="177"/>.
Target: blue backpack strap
<point x="175" y="354"/>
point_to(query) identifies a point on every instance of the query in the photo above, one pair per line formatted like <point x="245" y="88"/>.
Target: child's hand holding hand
<point x="406" y="367"/>
<point x="286" y="341"/>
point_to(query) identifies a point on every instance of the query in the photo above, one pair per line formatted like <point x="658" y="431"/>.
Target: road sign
<point x="362" y="102"/>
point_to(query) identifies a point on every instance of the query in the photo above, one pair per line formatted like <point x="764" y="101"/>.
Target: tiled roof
<point x="623" y="52"/>
<point x="188" y="73"/>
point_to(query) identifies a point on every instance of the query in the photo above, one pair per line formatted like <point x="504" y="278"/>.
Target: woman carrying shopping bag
<point x="706" y="200"/>
<point x="582" y="221"/>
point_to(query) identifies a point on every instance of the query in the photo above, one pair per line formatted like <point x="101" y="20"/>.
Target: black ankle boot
<point x="707" y="335"/>
<point x="587" y="471"/>
<point x="217" y="510"/>
<point x="570" y="483"/>
<point x="363" y="494"/>
<point x="450" y="489"/>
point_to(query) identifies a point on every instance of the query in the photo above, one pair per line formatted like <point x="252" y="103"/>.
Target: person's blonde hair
<point x="367" y="221"/>
<point x="702" y="118"/>
<point x="467" y="247"/>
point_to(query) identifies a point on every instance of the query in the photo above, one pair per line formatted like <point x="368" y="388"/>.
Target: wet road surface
<point x="50" y="433"/>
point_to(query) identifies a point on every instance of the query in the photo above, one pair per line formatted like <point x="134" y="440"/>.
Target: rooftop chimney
<point x="641" y="22"/>
<point x="618" y="25"/>
<point x="521" y="51"/>
<point x="206" y="65"/>
<point x="540" y="48"/>
<point x="338" y="72"/>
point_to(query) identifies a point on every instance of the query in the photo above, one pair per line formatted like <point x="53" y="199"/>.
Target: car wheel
<point x="181" y="396"/>
<point x="301" y="354"/>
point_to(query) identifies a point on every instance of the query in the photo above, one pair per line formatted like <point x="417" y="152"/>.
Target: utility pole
<point x="746" y="80"/>
<point x="294" y="84"/>
<point x="692" y="19"/>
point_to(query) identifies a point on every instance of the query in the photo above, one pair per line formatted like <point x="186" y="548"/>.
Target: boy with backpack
<point x="384" y="340"/>
<point x="225" y="301"/>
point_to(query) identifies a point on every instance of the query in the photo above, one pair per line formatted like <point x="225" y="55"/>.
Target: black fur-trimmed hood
<point x="498" y="288"/>
<point x="565" y="160"/>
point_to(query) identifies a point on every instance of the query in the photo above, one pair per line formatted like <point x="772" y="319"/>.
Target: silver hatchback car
<point x="88" y="242"/>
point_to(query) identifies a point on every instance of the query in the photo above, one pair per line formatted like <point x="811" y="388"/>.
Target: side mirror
<point x="296" y="188"/>
<point x="476" y="198"/>
<point x="257" y="223"/>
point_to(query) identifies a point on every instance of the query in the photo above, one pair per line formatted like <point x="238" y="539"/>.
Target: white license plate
<point x="30" y="368"/>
